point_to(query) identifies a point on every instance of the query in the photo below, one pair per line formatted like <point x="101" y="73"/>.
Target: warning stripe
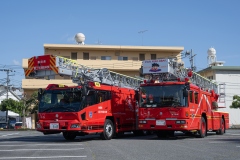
<point x="30" y="66"/>
<point x="52" y="62"/>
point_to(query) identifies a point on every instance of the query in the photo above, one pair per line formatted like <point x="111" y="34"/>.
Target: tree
<point x="236" y="102"/>
<point x="12" y="105"/>
<point x="31" y="104"/>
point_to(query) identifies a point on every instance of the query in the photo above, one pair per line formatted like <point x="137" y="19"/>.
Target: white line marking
<point x="9" y="134"/>
<point x="72" y="149"/>
<point x="216" y="142"/>
<point x="233" y="134"/>
<point x="43" y="157"/>
<point x="237" y="146"/>
<point x="6" y="145"/>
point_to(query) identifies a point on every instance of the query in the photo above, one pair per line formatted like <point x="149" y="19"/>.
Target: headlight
<point x="183" y="122"/>
<point x="143" y="122"/>
<point x="180" y="122"/>
<point x="75" y="126"/>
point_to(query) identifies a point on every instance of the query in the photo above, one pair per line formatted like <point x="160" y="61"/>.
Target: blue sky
<point x="198" y="25"/>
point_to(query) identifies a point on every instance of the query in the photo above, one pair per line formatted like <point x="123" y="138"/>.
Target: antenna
<point x="191" y="58"/>
<point x="99" y="42"/>
<point x="141" y="32"/>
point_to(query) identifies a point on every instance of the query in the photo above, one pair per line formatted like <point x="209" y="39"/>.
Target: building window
<point x="85" y="56"/>
<point x="121" y="58"/>
<point x="141" y="57"/>
<point x="153" y="56"/>
<point x="74" y="55"/>
<point x="106" y="58"/>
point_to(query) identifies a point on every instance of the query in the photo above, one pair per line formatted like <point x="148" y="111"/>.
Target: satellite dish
<point x="80" y="38"/>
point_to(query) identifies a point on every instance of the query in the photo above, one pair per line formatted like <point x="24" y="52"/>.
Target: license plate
<point x="160" y="122"/>
<point x="54" y="125"/>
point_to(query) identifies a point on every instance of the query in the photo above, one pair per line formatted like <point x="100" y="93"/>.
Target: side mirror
<point x="84" y="90"/>
<point x="187" y="85"/>
<point x="185" y="92"/>
<point x="136" y="96"/>
<point x="40" y="91"/>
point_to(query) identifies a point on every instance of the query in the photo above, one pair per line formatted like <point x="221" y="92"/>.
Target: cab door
<point x="194" y="109"/>
<point x="91" y="108"/>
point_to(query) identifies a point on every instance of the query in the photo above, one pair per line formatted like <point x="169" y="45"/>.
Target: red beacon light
<point x="152" y="81"/>
<point x="186" y="79"/>
<point x="91" y="84"/>
<point x="189" y="73"/>
<point x="148" y="81"/>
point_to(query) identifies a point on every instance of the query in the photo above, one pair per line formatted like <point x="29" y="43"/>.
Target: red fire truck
<point x="173" y="98"/>
<point x="102" y="102"/>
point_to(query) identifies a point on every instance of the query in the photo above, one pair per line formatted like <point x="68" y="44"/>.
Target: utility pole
<point x="8" y="80"/>
<point x="191" y="58"/>
<point x="24" y="107"/>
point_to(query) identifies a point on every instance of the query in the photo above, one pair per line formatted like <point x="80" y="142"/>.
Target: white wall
<point x="3" y="114"/>
<point x="232" y="87"/>
<point x="4" y="96"/>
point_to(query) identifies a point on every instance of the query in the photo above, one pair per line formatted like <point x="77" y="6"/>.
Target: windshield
<point x="162" y="96"/>
<point x="65" y="100"/>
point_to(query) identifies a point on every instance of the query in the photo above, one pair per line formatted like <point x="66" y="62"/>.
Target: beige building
<point x="122" y="59"/>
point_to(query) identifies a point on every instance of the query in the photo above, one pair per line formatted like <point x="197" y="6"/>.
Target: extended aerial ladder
<point x="47" y="66"/>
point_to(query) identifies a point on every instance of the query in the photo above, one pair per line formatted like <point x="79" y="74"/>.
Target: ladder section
<point x="221" y="98"/>
<point x="56" y="65"/>
<point x="171" y="70"/>
<point x="197" y="79"/>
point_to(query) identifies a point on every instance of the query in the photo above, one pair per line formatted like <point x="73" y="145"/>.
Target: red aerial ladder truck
<point x="173" y="98"/>
<point x="102" y="102"/>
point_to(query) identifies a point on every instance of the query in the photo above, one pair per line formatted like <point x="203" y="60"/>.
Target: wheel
<point x="203" y="128"/>
<point x="69" y="135"/>
<point x="221" y="131"/>
<point x="108" y="130"/>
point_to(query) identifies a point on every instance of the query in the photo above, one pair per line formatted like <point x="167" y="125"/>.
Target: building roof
<point x="114" y="47"/>
<point x="226" y="68"/>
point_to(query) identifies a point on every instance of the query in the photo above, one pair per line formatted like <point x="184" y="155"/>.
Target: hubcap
<point x="109" y="130"/>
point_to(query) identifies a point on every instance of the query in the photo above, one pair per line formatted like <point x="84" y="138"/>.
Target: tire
<point x="69" y="136"/>
<point x="203" y="128"/>
<point x="221" y="131"/>
<point x="108" y="130"/>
